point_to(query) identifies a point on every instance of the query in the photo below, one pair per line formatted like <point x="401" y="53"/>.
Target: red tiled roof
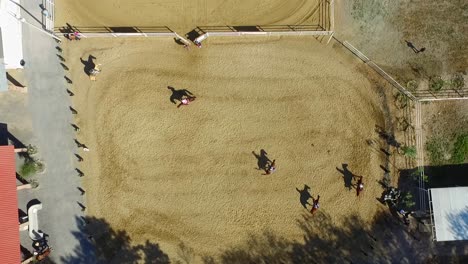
<point x="9" y="229"/>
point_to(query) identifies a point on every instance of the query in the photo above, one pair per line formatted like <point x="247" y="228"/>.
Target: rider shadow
<point x="262" y="159"/>
<point x="89" y="64"/>
<point x="178" y="41"/>
<point x="304" y="195"/>
<point x="347" y="176"/>
<point x="178" y="95"/>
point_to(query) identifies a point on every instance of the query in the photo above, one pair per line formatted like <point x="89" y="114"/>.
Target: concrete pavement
<point x="49" y="105"/>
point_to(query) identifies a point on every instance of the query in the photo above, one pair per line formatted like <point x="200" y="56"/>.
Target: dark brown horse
<point x="315" y="204"/>
<point x="359" y="186"/>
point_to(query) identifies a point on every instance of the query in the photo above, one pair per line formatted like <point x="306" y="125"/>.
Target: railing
<point x="444" y="94"/>
<point x="91" y="32"/>
<point x="420" y="156"/>
<point x="376" y="68"/>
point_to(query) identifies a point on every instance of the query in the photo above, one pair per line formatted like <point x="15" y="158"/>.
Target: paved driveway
<point x="49" y="105"/>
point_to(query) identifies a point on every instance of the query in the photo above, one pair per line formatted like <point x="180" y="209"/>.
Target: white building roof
<point x="450" y="211"/>
<point x="12" y="37"/>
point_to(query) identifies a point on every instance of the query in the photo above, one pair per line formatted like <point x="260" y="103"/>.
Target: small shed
<point x="449" y="212"/>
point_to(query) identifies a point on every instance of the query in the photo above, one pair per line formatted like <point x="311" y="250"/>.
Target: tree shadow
<point x="459" y="223"/>
<point x="13" y="80"/>
<point x="351" y="240"/>
<point x="304" y="195"/>
<point x="347" y="176"/>
<point x="88" y="64"/>
<point x="262" y="159"/>
<point x="178" y="41"/>
<point x="99" y="243"/>
<point x="387" y="136"/>
<point x="178" y="95"/>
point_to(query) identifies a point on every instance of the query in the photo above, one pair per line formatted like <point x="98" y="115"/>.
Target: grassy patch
<point x="457" y="82"/>
<point x="460" y="148"/>
<point x="438" y="149"/>
<point x="448" y="150"/>
<point x="409" y="151"/>
<point x="436" y="83"/>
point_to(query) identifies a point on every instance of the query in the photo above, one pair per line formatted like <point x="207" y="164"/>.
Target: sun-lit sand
<point x="169" y="175"/>
<point x="183" y="15"/>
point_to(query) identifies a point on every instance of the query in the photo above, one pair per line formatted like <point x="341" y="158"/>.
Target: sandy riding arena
<point x="190" y="174"/>
<point x="185" y="15"/>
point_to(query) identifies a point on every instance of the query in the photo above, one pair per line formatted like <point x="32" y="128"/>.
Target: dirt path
<point x="182" y="15"/>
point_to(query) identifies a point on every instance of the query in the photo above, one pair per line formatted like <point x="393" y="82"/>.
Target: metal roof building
<point x="449" y="208"/>
<point x="10" y="240"/>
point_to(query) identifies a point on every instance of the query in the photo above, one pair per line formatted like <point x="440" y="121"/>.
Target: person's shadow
<point x="89" y="64"/>
<point x="179" y="41"/>
<point x="411" y="46"/>
<point x="177" y="95"/>
<point x="262" y="159"/>
<point x="347" y="176"/>
<point x="304" y="195"/>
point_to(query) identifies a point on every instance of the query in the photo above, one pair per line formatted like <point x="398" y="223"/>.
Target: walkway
<point x="49" y="102"/>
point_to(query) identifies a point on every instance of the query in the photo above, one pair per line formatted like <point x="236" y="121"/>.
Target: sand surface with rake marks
<point x="183" y="15"/>
<point x="169" y="175"/>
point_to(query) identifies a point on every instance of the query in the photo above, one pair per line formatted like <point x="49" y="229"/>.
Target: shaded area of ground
<point x="385" y="241"/>
<point x="438" y="176"/>
<point x="112" y="246"/>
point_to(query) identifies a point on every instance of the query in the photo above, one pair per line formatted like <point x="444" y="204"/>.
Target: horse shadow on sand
<point x="347" y="176"/>
<point x="178" y="95"/>
<point x="304" y="195"/>
<point x="262" y="159"/>
<point x="88" y="64"/>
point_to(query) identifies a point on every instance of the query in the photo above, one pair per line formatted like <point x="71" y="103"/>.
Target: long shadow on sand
<point x="262" y="159"/>
<point x="177" y="95"/>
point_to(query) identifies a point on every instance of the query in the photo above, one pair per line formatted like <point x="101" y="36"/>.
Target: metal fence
<point x="48" y="21"/>
<point x="99" y="32"/>
<point x="376" y="68"/>
<point x="444" y="94"/>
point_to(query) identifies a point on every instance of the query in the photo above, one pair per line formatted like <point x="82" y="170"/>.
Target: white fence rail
<point x="263" y="33"/>
<point x="115" y="35"/>
<point x="420" y="155"/>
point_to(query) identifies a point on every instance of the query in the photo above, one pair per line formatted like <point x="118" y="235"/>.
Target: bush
<point x="407" y="201"/>
<point x="457" y="82"/>
<point x="31" y="149"/>
<point x="412" y="85"/>
<point x="436" y="83"/>
<point x="28" y="168"/>
<point x="31" y="167"/>
<point x="401" y="100"/>
<point x="417" y="173"/>
<point x="460" y="149"/>
<point x="409" y="151"/>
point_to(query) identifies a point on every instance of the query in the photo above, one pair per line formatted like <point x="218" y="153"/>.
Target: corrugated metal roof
<point x="9" y="230"/>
